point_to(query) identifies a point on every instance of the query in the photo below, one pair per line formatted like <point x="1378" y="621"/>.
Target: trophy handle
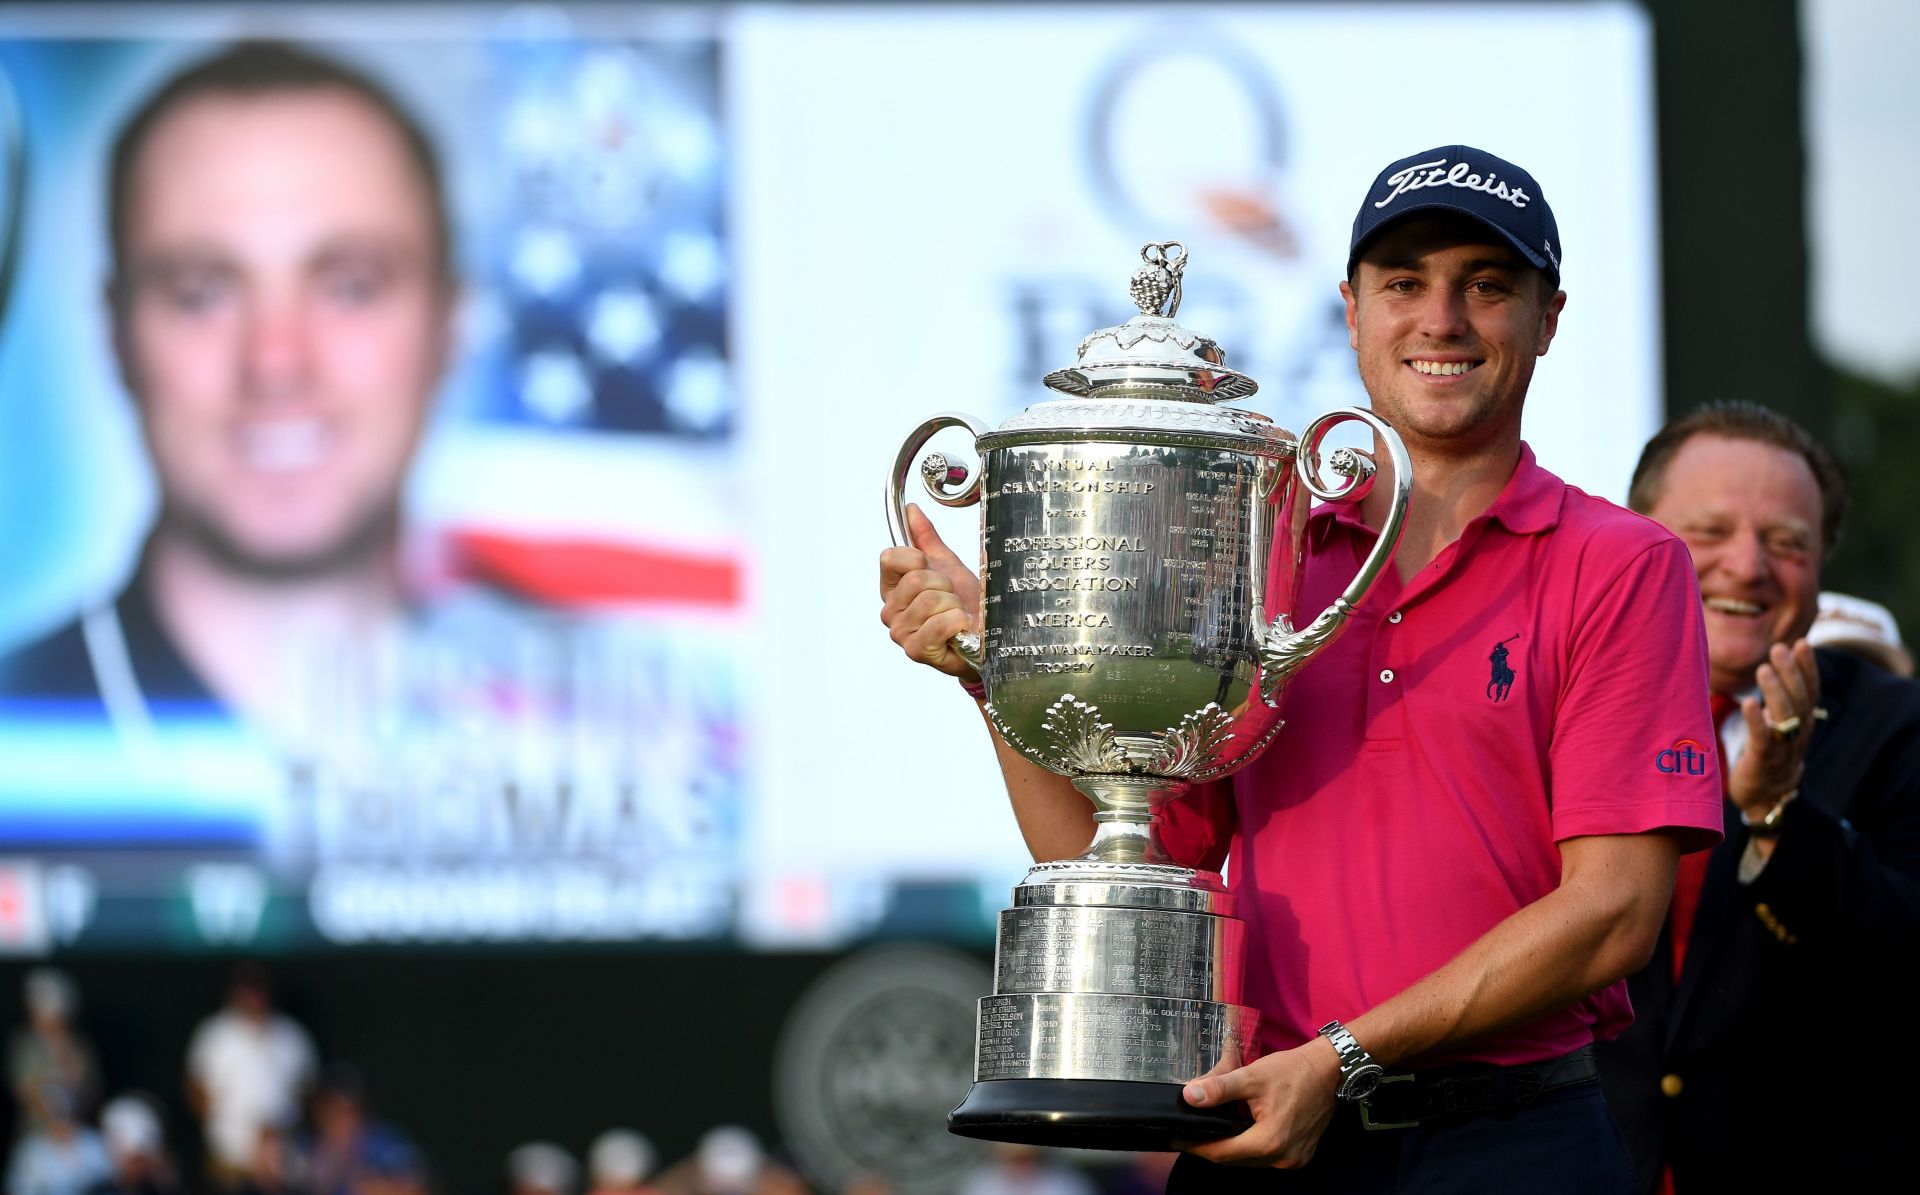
<point x="1282" y="649"/>
<point x="948" y="484"/>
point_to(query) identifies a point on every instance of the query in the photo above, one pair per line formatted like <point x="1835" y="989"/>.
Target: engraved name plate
<point x="1119" y="950"/>
<point x="1100" y="1036"/>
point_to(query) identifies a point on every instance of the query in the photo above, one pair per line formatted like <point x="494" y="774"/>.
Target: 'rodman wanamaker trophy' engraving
<point x="1141" y="549"/>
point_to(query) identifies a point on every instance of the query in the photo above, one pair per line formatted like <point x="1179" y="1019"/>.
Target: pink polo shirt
<point x="1544" y="678"/>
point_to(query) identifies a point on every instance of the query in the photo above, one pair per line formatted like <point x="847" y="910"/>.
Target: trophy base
<point x="1091" y="1114"/>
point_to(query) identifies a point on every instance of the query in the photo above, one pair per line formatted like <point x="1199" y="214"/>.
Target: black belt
<point x="1404" y="1101"/>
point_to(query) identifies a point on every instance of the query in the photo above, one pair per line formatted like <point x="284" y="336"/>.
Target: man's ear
<point x="1353" y="326"/>
<point x="1550" y="321"/>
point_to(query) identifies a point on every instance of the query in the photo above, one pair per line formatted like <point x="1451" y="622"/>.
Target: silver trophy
<point x="1141" y="550"/>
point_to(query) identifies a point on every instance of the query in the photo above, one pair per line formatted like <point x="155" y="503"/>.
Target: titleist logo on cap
<point x="1437" y="174"/>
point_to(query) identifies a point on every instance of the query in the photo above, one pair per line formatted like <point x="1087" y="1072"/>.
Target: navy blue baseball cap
<point x="1471" y="182"/>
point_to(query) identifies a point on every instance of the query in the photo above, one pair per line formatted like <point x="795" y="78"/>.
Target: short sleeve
<point x="1633" y="747"/>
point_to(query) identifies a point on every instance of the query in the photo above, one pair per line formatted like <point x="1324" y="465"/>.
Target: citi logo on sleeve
<point x="1684" y="758"/>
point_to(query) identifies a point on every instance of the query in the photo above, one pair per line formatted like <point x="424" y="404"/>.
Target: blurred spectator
<point x="542" y="1168"/>
<point x="281" y="300"/>
<point x="49" y="1052"/>
<point x="273" y="1169"/>
<point x="247" y="1068"/>
<point x="60" y="1156"/>
<point x="349" y="1152"/>
<point x="138" y="1149"/>
<point x="619" y="1163"/>
<point x="1024" y="1170"/>
<point x="1862" y="628"/>
<point x="729" y="1161"/>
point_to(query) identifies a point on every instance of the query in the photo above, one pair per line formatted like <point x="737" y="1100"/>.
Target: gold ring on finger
<point x="1786" y="728"/>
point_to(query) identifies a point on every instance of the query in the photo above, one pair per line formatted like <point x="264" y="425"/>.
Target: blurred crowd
<point x="273" y="1119"/>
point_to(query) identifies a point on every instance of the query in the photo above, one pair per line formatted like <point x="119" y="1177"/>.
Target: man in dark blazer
<point x="1774" y="1043"/>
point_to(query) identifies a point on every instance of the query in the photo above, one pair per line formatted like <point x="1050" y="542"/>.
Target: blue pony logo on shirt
<point x="1503" y="676"/>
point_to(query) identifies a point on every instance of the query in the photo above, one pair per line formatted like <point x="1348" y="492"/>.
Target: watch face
<point x="1361" y="1083"/>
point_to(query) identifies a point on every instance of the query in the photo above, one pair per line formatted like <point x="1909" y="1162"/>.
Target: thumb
<point x="1212" y="1090"/>
<point x="920" y="531"/>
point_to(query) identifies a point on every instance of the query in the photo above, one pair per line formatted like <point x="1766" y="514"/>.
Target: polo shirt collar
<point x="1529" y="503"/>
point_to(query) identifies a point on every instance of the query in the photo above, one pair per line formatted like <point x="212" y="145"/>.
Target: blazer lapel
<point x="1720" y="892"/>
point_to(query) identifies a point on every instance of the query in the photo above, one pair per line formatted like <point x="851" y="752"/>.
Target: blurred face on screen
<point x="282" y="322"/>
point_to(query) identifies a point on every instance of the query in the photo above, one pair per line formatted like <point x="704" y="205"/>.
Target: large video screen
<point x="441" y="448"/>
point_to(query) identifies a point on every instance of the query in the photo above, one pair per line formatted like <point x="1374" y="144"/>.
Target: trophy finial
<point x="1151" y="354"/>
<point x="1158" y="282"/>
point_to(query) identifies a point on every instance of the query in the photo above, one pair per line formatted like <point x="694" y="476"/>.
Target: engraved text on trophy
<point x="1123" y="562"/>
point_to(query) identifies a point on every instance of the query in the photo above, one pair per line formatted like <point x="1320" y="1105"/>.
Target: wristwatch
<point x="1359" y="1073"/>
<point x="1769" y="826"/>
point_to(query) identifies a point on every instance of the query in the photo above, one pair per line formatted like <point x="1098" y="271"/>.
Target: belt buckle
<point x="1371" y="1125"/>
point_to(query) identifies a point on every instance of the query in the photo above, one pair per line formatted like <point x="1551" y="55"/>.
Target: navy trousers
<point x="1565" y="1142"/>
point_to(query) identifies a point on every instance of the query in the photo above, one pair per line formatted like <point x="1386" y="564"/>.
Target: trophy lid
<point x="1150" y="355"/>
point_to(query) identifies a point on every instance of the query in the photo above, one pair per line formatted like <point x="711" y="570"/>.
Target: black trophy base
<point x="1091" y="1114"/>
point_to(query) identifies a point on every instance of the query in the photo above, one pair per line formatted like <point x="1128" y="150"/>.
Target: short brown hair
<point x="255" y="68"/>
<point x="1739" y="420"/>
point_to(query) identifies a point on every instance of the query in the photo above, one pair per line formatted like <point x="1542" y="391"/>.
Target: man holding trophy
<point x="1466" y="836"/>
